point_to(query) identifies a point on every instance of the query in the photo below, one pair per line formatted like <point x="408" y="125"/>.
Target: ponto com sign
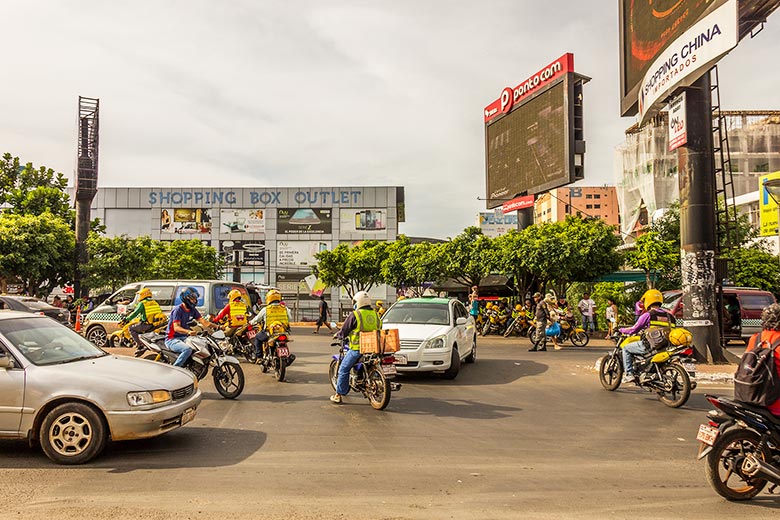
<point x="767" y="207"/>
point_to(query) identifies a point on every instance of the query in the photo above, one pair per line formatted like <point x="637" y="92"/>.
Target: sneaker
<point x="314" y="332"/>
<point x="336" y="398"/>
<point x="627" y="378"/>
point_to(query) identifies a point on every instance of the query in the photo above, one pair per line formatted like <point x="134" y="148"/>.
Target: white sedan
<point x="436" y="335"/>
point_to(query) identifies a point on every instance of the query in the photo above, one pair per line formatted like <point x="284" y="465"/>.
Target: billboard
<point x="299" y="253"/>
<point x="767" y="207"/>
<point x="242" y="220"/>
<point x="533" y="132"/>
<point x="495" y="224"/>
<point x="362" y="220"/>
<point x="296" y="221"/>
<point x="185" y="220"/>
<point x="251" y="253"/>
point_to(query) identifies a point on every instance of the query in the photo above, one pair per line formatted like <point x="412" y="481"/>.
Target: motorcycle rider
<point x="146" y="311"/>
<point x="770" y="332"/>
<point x="273" y="314"/>
<point x="502" y="314"/>
<point x="380" y="308"/>
<point x="179" y="325"/>
<point x="654" y="316"/>
<point x="545" y="315"/>
<point x="363" y="319"/>
<point x="235" y="311"/>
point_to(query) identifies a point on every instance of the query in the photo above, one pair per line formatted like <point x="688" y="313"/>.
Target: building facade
<point x="586" y="201"/>
<point x="271" y="234"/>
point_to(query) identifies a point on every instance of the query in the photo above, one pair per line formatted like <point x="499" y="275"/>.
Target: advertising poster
<point x="293" y="285"/>
<point x="242" y="220"/>
<point x="297" y="221"/>
<point x="362" y="220"/>
<point x="767" y="207"/>
<point x="495" y="224"/>
<point x="250" y="253"/>
<point x="185" y="220"/>
<point x="300" y="253"/>
<point x="678" y="126"/>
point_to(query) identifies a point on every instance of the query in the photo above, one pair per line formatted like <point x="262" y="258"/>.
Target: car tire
<point x="73" y="433"/>
<point x="472" y="357"/>
<point x="452" y="372"/>
<point x="97" y="335"/>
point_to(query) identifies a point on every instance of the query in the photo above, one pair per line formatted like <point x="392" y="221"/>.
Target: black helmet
<point x="190" y="297"/>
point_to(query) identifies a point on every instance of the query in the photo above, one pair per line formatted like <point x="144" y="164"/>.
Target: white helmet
<point x="361" y="299"/>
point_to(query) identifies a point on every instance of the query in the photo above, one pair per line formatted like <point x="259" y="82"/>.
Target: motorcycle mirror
<point x="218" y="335"/>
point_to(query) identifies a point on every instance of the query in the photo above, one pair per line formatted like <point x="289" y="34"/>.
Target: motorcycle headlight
<point x="437" y="342"/>
<point x="147" y="398"/>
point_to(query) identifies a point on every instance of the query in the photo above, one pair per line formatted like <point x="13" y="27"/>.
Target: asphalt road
<point x="516" y="435"/>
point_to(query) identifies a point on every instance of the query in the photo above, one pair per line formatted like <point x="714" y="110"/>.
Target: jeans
<point x="637" y="348"/>
<point x="349" y="360"/>
<point x="184" y="351"/>
<point x="588" y="324"/>
<point x="260" y="338"/>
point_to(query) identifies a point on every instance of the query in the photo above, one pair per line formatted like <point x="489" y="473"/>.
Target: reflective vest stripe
<point x="151" y="309"/>
<point x="237" y="314"/>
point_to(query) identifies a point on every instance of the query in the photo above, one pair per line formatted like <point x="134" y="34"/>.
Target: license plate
<point x="400" y="359"/>
<point x="690" y="368"/>
<point x="389" y="370"/>
<point x="283" y="351"/>
<point x="707" y="434"/>
<point x="251" y="334"/>
<point x="188" y="415"/>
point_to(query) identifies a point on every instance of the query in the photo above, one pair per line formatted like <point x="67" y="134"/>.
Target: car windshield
<point x="427" y="313"/>
<point x="45" y="342"/>
<point x="38" y="305"/>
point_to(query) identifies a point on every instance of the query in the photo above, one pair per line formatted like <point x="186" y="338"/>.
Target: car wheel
<point x="452" y="372"/>
<point x="472" y="357"/>
<point x="73" y="433"/>
<point x="97" y="335"/>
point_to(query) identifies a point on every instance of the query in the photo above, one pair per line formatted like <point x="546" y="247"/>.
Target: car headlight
<point x="147" y="398"/>
<point x="437" y="342"/>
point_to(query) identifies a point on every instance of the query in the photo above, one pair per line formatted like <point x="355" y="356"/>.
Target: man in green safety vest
<point x="363" y="319"/>
<point x="146" y="310"/>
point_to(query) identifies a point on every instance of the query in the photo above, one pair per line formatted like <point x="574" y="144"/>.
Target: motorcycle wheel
<point x="509" y="330"/>
<point x="229" y="380"/>
<point x="724" y="465"/>
<point x="579" y="339"/>
<point x="538" y="338"/>
<point x="377" y="389"/>
<point x="114" y="341"/>
<point x="280" y="368"/>
<point x="249" y="352"/>
<point x="333" y="373"/>
<point x="677" y="386"/>
<point x="610" y="372"/>
<point x="151" y="357"/>
<point x="486" y="328"/>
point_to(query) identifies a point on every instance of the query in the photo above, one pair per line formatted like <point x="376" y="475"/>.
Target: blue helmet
<point x="189" y="297"/>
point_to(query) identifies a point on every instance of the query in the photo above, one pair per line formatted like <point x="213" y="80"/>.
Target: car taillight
<point x="388" y="360"/>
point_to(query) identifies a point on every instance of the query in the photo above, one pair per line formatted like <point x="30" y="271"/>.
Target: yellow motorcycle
<point x="122" y="337"/>
<point x="669" y="372"/>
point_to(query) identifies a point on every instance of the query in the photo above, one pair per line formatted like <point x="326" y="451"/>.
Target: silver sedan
<point x="58" y="389"/>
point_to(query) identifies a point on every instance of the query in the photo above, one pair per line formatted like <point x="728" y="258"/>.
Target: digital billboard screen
<point x="528" y="148"/>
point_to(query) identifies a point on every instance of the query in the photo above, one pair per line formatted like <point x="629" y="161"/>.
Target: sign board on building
<point x="518" y="203"/>
<point x="767" y="207"/>
<point x="250" y="253"/>
<point x="493" y="225"/>
<point x="185" y="220"/>
<point x="297" y="221"/>
<point x="678" y="125"/>
<point x="362" y="220"/>
<point x="300" y="253"/>
<point x="242" y="220"/>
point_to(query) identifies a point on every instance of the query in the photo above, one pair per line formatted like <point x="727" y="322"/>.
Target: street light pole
<point x="772" y="187"/>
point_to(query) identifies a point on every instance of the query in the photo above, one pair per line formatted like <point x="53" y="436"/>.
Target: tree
<point x="26" y="190"/>
<point x="510" y="259"/>
<point x="356" y="269"/>
<point x="36" y="249"/>
<point x="468" y="256"/>
<point x="652" y="253"/>
<point x="116" y="261"/>
<point x="412" y="266"/>
<point x="754" y="267"/>
<point x="186" y="259"/>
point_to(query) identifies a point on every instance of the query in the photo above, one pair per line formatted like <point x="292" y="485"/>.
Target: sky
<point x="316" y="93"/>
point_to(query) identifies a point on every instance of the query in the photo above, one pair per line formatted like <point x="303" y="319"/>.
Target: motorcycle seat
<point x="774" y="419"/>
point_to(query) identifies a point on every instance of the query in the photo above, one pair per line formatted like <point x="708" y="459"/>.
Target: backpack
<point x="657" y="338"/>
<point x="756" y="381"/>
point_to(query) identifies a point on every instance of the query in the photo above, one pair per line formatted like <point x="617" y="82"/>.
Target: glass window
<point x="420" y="313"/>
<point x="588" y="196"/>
<point x="221" y="294"/>
<point x="597" y="196"/>
<point x="589" y="206"/>
<point x="45" y="342"/>
<point x="755" y="301"/>
<point x="124" y="295"/>
<point x="597" y="206"/>
<point x="38" y="305"/>
<point x="201" y="294"/>
<point x="162" y="294"/>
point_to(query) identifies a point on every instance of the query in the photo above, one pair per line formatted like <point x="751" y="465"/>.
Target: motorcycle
<point x="276" y="354"/>
<point x="207" y="352"/>
<point x="122" y="337"/>
<point x="569" y="331"/>
<point x="669" y="372"/>
<point x="242" y="342"/>
<point x="519" y="325"/>
<point x="371" y="375"/>
<point x="742" y="446"/>
<point x="494" y="323"/>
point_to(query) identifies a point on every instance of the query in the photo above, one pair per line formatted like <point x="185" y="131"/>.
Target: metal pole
<point x="697" y="224"/>
<point x="525" y="218"/>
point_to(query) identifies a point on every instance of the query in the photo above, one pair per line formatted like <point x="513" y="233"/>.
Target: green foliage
<point x="36" y="249"/>
<point x="467" y="257"/>
<point x="116" y="261"/>
<point x="356" y="269"/>
<point x="424" y="264"/>
<point x="651" y="253"/>
<point x="29" y="191"/>
<point x="187" y="259"/>
<point x="754" y="267"/>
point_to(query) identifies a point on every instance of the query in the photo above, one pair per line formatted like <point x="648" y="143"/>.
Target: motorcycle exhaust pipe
<point x="395" y="386"/>
<point x="753" y="467"/>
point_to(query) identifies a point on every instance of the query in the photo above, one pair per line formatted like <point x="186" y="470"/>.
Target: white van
<point x="104" y="318"/>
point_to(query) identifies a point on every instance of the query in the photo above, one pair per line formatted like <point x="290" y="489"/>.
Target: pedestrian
<point x="57" y="302"/>
<point x="639" y="309"/>
<point x="324" y="315"/>
<point x="611" y="316"/>
<point x="587" y="308"/>
<point x="474" y="302"/>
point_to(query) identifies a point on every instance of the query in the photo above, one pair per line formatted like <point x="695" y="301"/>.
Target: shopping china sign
<point x="688" y="57"/>
<point x="510" y="97"/>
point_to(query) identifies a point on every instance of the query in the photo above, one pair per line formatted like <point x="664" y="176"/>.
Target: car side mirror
<point x="7" y="362"/>
<point x="461" y="321"/>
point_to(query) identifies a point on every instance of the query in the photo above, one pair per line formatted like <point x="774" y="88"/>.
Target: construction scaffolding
<point x="646" y="171"/>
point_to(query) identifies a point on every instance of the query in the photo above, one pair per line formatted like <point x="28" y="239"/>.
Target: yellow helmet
<point x="488" y="306"/>
<point x="518" y="307"/>
<point x="234" y="294"/>
<point x="144" y="293"/>
<point x="652" y="296"/>
<point x="379" y="302"/>
<point x="679" y="336"/>
<point x="273" y="296"/>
